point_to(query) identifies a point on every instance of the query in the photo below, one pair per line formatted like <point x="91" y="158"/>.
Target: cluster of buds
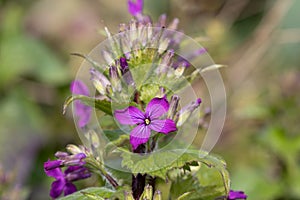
<point x="74" y="171"/>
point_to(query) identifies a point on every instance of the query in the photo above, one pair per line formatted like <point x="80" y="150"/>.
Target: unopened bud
<point x="174" y="24"/>
<point x="157" y="195"/>
<point x="161" y="92"/>
<point x="163" y="45"/>
<point x="76" y="160"/>
<point x="180" y="69"/>
<point x="148" y="193"/>
<point x="73" y="149"/>
<point x="186" y="112"/>
<point x="114" y="78"/>
<point x="99" y="81"/>
<point x="173" y="107"/>
<point x="107" y="57"/>
<point x="128" y="195"/>
<point x="61" y="154"/>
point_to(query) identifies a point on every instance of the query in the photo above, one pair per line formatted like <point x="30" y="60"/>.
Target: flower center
<point x="147" y="121"/>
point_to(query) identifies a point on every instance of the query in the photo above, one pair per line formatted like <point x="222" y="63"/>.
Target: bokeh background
<point x="259" y="41"/>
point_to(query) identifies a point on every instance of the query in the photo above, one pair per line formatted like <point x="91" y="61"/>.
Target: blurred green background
<point x="259" y="40"/>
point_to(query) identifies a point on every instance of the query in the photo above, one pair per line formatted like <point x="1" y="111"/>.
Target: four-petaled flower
<point x="236" y="195"/>
<point x="83" y="112"/>
<point x="135" y="8"/>
<point x="63" y="180"/>
<point x="150" y="120"/>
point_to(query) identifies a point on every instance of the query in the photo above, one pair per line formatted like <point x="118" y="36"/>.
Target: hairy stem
<point x="138" y="181"/>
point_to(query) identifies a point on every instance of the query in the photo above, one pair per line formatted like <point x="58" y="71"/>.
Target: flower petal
<point x="163" y="126"/>
<point x="57" y="188"/>
<point x="135" y="8"/>
<point x="51" y="164"/>
<point x="55" y="173"/>
<point x="157" y="107"/>
<point x="78" y="87"/>
<point x="236" y="195"/>
<point x="82" y="111"/>
<point x="129" y="116"/>
<point x="69" y="188"/>
<point x="139" y="135"/>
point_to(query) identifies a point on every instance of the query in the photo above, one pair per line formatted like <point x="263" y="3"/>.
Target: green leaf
<point x="202" y="182"/>
<point x="102" y="105"/>
<point x="113" y="134"/>
<point x="120" y="141"/>
<point x="183" y="186"/>
<point x="159" y="163"/>
<point x="94" y="193"/>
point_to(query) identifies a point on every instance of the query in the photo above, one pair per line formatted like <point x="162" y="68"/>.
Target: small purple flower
<point x="135" y="8"/>
<point x="236" y="195"/>
<point x="146" y="121"/>
<point x="83" y="112"/>
<point x="63" y="181"/>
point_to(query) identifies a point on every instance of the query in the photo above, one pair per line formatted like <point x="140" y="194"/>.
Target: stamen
<point x="147" y="121"/>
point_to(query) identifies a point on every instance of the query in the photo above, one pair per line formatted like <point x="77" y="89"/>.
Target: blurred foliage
<point x="258" y="40"/>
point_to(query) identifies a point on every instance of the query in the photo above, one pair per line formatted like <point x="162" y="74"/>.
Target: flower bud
<point x="76" y="159"/>
<point x="157" y="195"/>
<point x="173" y="107"/>
<point x="128" y="195"/>
<point x="74" y="173"/>
<point x="115" y="79"/>
<point x="107" y="57"/>
<point x="73" y="149"/>
<point x="99" y="80"/>
<point x="61" y="154"/>
<point x="148" y="192"/>
<point x="186" y="112"/>
<point x="163" y="45"/>
<point x="174" y="24"/>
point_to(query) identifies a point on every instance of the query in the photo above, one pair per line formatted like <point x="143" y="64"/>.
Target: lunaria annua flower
<point x="63" y="180"/>
<point x="150" y="120"/>
<point x="83" y="112"/>
<point x="236" y="195"/>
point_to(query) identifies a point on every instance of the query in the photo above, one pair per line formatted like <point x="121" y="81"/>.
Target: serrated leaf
<point x="95" y="193"/>
<point x="158" y="164"/>
<point x="102" y="105"/>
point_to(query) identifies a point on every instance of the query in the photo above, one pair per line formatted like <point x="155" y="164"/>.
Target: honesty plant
<point x="143" y="149"/>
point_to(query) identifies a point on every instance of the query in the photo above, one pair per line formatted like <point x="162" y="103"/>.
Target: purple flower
<point x="63" y="180"/>
<point x="146" y="121"/>
<point x="83" y="112"/>
<point x="135" y="8"/>
<point x="236" y="195"/>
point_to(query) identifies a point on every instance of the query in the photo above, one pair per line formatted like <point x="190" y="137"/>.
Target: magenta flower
<point x="236" y="195"/>
<point x="83" y="112"/>
<point x="63" y="180"/>
<point x="135" y="8"/>
<point x="150" y="120"/>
